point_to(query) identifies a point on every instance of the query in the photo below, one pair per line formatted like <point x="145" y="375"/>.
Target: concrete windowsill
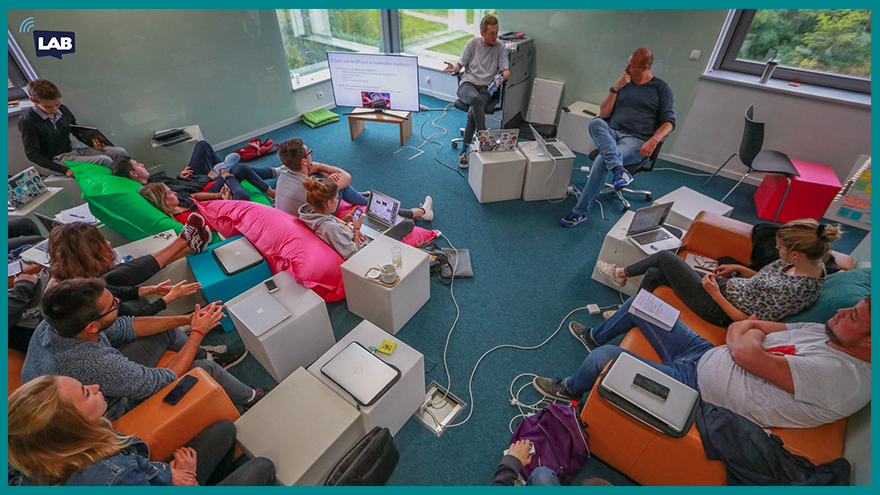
<point x="804" y="90"/>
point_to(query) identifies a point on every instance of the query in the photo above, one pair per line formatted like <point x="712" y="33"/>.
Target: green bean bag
<point x="116" y="202"/>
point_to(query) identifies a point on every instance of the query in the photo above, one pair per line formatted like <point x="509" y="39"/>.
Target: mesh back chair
<point x="758" y="160"/>
<point x="645" y="165"/>
<point x="495" y="103"/>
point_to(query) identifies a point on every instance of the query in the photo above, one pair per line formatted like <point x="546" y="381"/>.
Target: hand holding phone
<point x="357" y="214"/>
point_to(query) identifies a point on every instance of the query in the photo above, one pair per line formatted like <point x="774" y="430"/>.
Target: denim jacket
<point x="130" y="467"/>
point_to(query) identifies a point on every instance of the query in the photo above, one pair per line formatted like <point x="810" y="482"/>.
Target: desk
<point x="687" y="204"/>
<point x="49" y="203"/>
<point x="496" y="175"/>
<point x="357" y="118"/>
<point x="175" y="158"/>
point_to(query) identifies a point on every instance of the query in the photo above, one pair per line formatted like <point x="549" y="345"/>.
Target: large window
<point x="20" y="70"/>
<point x="825" y="47"/>
<point x="439" y="34"/>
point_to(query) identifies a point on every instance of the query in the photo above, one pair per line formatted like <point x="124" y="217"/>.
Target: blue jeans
<point x="616" y="149"/>
<point x="240" y="173"/>
<point x="679" y="349"/>
<point x="204" y="158"/>
<point x="350" y="195"/>
<point x="543" y="476"/>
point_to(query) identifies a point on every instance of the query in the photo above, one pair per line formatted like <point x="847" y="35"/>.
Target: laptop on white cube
<point x="647" y="232"/>
<point x="259" y="312"/>
<point x="381" y="214"/>
<point x="556" y="149"/>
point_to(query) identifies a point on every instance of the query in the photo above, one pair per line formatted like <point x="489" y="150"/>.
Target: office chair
<point x="495" y="103"/>
<point x="758" y="160"/>
<point x="645" y="165"/>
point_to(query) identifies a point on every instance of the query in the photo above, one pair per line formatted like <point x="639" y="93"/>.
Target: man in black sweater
<point x="45" y="133"/>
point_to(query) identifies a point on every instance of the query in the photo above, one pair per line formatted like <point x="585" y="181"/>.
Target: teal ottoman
<point x="217" y="286"/>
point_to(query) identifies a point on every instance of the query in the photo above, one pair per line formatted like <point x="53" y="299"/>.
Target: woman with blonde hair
<point x="787" y="286"/>
<point x="58" y="436"/>
<point x="179" y="206"/>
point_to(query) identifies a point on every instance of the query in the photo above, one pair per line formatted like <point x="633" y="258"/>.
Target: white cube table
<point x="176" y="271"/>
<point x="687" y="204"/>
<point x="544" y="178"/>
<point x="53" y="201"/>
<point x="401" y="401"/>
<point x="574" y="126"/>
<point x="175" y="158"/>
<point x="496" y="175"/>
<point x="303" y="427"/>
<point x="387" y="307"/>
<point x="294" y="342"/>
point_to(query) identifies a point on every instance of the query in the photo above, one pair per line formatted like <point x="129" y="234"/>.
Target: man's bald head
<point x="642" y="57"/>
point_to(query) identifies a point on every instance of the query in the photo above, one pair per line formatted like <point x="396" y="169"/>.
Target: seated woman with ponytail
<point x="322" y="200"/>
<point x="785" y="287"/>
<point x="58" y="435"/>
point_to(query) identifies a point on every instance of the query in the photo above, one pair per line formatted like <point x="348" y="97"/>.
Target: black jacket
<point x="44" y="140"/>
<point x="507" y="473"/>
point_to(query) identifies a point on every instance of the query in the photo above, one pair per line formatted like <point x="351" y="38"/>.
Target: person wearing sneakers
<point x="204" y="160"/>
<point x="785" y="287"/>
<point x="200" y="187"/>
<point x="84" y="337"/>
<point x="636" y="115"/>
<point x="796" y="375"/>
<point x="342" y="234"/>
<point x="180" y="206"/>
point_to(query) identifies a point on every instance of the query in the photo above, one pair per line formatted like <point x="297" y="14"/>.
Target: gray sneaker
<point x="609" y="271"/>
<point x="583" y="334"/>
<point x="553" y="388"/>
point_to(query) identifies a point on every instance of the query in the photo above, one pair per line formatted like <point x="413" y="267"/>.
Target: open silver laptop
<point x="381" y="215"/>
<point x="237" y="256"/>
<point x="634" y="381"/>
<point x="361" y="373"/>
<point x="259" y="312"/>
<point x="555" y="148"/>
<point x="497" y="140"/>
<point x="646" y="230"/>
<point x="38" y="253"/>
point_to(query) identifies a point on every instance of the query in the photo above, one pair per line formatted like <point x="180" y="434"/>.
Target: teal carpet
<point x="529" y="273"/>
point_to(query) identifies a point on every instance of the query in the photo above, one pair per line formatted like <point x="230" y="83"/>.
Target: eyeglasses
<point x="113" y="307"/>
<point x="309" y="153"/>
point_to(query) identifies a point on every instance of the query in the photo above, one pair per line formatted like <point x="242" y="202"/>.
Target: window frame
<point x="733" y="41"/>
<point x="19" y="68"/>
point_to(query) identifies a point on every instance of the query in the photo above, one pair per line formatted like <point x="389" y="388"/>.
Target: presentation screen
<point x="370" y="80"/>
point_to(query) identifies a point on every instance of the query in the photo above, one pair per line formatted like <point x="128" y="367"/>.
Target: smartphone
<point x="180" y="390"/>
<point x="271" y="286"/>
<point x="651" y="386"/>
<point x="14" y="268"/>
<point x="357" y="214"/>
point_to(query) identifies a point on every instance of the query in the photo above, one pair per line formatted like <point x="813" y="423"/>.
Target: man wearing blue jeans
<point x="796" y="375"/>
<point x="635" y="116"/>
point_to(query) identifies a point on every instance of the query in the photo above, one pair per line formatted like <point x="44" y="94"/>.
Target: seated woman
<point x="322" y="200"/>
<point x="58" y="436"/>
<point x="787" y="286"/>
<point x="79" y="250"/>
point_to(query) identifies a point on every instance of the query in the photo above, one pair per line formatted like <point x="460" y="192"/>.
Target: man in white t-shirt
<point x="798" y="375"/>
<point x="483" y="59"/>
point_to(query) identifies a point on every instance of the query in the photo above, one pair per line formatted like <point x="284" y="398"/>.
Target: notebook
<point x="237" y="256"/>
<point x="646" y="230"/>
<point x="259" y="312"/>
<point x="361" y="373"/>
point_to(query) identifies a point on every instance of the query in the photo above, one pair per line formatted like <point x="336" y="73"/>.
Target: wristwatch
<point x="613" y="91"/>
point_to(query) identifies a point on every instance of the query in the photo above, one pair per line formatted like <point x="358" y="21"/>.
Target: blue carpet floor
<point x="529" y="273"/>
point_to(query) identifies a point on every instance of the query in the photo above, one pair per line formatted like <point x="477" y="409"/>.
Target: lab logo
<point x="54" y="43"/>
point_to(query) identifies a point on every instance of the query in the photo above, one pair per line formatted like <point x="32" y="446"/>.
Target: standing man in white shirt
<point x="483" y="59"/>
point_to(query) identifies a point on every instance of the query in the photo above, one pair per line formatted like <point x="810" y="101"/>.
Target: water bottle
<point x="768" y="70"/>
<point x="496" y="82"/>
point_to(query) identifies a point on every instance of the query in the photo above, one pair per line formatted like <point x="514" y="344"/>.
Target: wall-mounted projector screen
<point x="373" y="80"/>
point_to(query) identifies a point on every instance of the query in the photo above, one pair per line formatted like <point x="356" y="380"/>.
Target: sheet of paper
<point x="80" y="213"/>
<point x="653" y="309"/>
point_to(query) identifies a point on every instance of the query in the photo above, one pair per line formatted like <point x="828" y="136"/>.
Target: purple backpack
<point x="560" y="441"/>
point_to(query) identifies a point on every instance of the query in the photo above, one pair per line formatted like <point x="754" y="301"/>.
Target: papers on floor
<point x="701" y="264"/>
<point x="80" y="213"/>
<point x="651" y="308"/>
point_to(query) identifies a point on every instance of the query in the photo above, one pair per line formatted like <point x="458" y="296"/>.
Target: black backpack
<point x="369" y="463"/>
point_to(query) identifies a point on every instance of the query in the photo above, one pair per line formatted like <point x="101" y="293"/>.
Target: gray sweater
<point x="338" y="235"/>
<point x="98" y="363"/>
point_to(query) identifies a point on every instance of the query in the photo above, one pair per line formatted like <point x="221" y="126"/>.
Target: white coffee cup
<point x="388" y="273"/>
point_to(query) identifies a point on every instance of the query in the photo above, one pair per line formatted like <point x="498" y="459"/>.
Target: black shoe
<point x="258" y="394"/>
<point x="463" y="160"/>
<point x="553" y="388"/>
<point x="230" y="358"/>
<point x="583" y="334"/>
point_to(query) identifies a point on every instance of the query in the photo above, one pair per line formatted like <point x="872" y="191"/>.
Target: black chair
<point x="645" y="165"/>
<point x="758" y="160"/>
<point x="495" y="103"/>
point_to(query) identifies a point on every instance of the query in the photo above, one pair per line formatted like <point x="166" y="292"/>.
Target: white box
<point x="574" y="127"/>
<point x="544" y="103"/>
<point x="687" y="204"/>
<point x="388" y="307"/>
<point x="496" y="175"/>
<point x="175" y="271"/>
<point x="303" y="427"/>
<point x="544" y="177"/>
<point x="294" y="342"/>
<point x="51" y="202"/>
<point x="176" y="157"/>
<point x="401" y="401"/>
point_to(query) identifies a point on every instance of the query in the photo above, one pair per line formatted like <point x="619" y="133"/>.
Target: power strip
<point x="593" y="309"/>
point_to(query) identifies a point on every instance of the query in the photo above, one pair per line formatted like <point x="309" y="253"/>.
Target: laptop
<point x="553" y="147"/>
<point x="24" y="187"/>
<point x="647" y="232"/>
<point x="381" y="215"/>
<point x="497" y="140"/>
<point x="259" y="312"/>
<point x="38" y="253"/>
<point x="237" y="256"/>
<point x="361" y="373"/>
<point x="634" y="381"/>
<point x="48" y="223"/>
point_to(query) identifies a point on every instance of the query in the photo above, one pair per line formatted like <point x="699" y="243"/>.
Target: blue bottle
<point x="496" y="83"/>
